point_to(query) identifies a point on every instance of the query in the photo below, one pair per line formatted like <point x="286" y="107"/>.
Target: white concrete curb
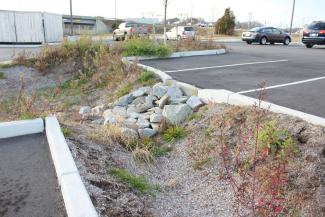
<point x="20" y="128"/>
<point x="224" y="96"/>
<point x="75" y="195"/>
<point x="181" y="54"/>
<point x="164" y="77"/>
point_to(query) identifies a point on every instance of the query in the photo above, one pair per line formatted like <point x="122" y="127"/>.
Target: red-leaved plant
<point x="256" y="156"/>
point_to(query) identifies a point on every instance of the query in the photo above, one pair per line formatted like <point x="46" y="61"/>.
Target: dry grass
<point x="106" y="135"/>
<point x="190" y="44"/>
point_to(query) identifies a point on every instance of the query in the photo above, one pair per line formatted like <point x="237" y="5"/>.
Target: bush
<point x="2" y="76"/>
<point x="226" y="24"/>
<point x="145" y="47"/>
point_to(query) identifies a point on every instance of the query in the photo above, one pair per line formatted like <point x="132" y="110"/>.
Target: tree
<point x="226" y="24"/>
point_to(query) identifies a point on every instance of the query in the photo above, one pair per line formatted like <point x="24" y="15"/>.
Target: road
<point x="294" y="74"/>
<point x="28" y="182"/>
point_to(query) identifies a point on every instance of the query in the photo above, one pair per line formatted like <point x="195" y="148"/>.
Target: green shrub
<point x="138" y="182"/>
<point x="66" y="132"/>
<point x="146" y="78"/>
<point x="145" y="47"/>
<point x="174" y="133"/>
<point x="160" y="151"/>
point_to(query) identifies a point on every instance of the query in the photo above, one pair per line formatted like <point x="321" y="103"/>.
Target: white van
<point x="180" y="32"/>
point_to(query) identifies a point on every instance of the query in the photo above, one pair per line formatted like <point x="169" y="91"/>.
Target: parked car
<point x="264" y="35"/>
<point x="181" y="32"/>
<point x="314" y="34"/>
<point x="129" y="29"/>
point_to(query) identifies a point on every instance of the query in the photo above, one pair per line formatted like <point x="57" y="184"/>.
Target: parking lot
<point x="293" y="75"/>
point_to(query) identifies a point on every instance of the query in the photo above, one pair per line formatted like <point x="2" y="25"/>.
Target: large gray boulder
<point x="139" y="100"/>
<point x="174" y="92"/>
<point x="194" y="102"/>
<point x="84" y="110"/>
<point x="143" y="123"/>
<point x="147" y="132"/>
<point x="156" y="118"/>
<point x="120" y="111"/>
<point x="129" y="133"/>
<point x="141" y="92"/>
<point x="109" y="117"/>
<point x="124" y="100"/>
<point x="143" y="107"/>
<point x="159" y="90"/>
<point x="176" y="114"/>
<point x="176" y="101"/>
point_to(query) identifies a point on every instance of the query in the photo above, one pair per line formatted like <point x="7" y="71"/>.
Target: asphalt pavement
<point x="29" y="186"/>
<point x="294" y="74"/>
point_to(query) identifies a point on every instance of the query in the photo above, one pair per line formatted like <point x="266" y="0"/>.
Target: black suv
<point x="314" y="34"/>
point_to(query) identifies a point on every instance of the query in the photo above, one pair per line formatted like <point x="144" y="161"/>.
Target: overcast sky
<point x="271" y="12"/>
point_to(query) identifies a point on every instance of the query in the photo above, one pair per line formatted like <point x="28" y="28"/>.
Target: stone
<point x="131" y="108"/>
<point x="130" y="121"/>
<point x="155" y="110"/>
<point x="143" y="107"/>
<point x="146" y="115"/>
<point x="129" y="133"/>
<point x="163" y="101"/>
<point x="176" y="101"/>
<point x="98" y="121"/>
<point x="147" y="132"/>
<point x="176" y="114"/>
<point x="124" y="100"/>
<point x="159" y="90"/>
<point x="109" y="117"/>
<point x="84" y="110"/>
<point x="155" y="118"/>
<point x="194" y="102"/>
<point x="150" y="99"/>
<point x="138" y="100"/>
<point x="174" y="92"/>
<point x="134" y="115"/>
<point x="143" y="123"/>
<point x="141" y="92"/>
<point x="156" y="126"/>
<point x="96" y="111"/>
<point x="120" y="111"/>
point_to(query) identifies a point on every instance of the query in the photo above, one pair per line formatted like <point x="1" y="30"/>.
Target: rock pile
<point x="140" y="113"/>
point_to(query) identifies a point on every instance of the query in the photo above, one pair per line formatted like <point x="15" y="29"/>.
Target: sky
<point x="268" y="12"/>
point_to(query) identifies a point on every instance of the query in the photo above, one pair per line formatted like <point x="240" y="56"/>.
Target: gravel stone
<point x="141" y="91"/>
<point x="174" y="92"/>
<point x="124" y="100"/>
<point x="159" y="90"/>
<point x="143" y="123"/>
<point x="84" y="110"/>
<point x="147" y="132"/>
<point x="194" y="102"/>
<point x="156" y="118"/>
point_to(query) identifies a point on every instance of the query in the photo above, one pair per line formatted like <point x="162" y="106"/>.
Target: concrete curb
<point x="163" y="76"/>
<point x="181" y="54"/>
<point x="225" y="96"/>
<point x="6" y="62"/>
<point x="20" y="128"/>
<point x="75" y="195"/>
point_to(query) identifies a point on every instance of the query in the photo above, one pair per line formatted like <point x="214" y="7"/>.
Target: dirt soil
<point x="186" y="190"/>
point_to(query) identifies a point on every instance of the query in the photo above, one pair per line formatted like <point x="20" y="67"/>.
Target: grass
<point x="138" y="182"/>
<point x="195" y="116"/>
<point x="125" y="90"/>
<point x="146" y="78"/>
<point x="66" y="132"/>
<point x="174" y="133"/>
<point x="160" y="151"/>
<point x="2" y="75"/>
<point x="145" y="47"/>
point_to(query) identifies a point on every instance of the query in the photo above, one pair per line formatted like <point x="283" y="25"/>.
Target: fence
<point x="30" y="27"/>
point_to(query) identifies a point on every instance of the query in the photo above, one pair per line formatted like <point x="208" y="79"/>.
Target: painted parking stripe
<point x="226" y="66"/>
<point x="282" y="85"/>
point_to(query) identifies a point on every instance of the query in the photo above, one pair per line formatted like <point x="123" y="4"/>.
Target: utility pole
<point x="115" y="9"/>
<point x="71" y="19"/>
<point x="293" y="12"/>
<point x="165" y="20"/>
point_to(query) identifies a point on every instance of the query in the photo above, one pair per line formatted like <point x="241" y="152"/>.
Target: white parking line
<point x="225" y="66"/>
<point x="282" y="85"/>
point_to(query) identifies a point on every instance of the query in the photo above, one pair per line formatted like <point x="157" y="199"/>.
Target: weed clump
<point x="138" y="182"/>
<point x="174" y="133"/>
<point x="146" y="78"/>
<point x="2" y="76"/>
